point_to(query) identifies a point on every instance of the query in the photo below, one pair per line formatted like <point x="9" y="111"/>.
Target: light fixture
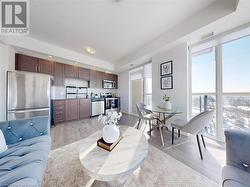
<point x="90" y="50"/>
<point x="50" y="56"/>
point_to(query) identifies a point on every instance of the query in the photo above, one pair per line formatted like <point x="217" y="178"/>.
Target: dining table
<point x="166" y="113"/>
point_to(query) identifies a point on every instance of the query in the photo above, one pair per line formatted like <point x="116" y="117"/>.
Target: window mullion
<point x="219" y="102"/>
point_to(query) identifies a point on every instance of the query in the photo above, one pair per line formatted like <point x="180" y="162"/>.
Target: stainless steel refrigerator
<point x="28" y="95"/>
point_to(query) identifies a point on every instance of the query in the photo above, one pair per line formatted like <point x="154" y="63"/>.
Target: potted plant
<point x="110" y="132"/>
<point x="167" y="104"/>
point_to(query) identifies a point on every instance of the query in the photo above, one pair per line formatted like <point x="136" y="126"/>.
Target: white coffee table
<point x="116" y="165"/>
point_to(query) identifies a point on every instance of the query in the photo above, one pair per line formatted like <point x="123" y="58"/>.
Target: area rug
<point x="158" y="170"/>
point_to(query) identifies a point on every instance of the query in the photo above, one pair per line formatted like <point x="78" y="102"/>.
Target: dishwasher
<point x="98" y="108"/>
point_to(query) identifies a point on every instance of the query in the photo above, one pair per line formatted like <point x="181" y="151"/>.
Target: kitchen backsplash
<point x="76" y="82"/>
<point x="59" y="92"/>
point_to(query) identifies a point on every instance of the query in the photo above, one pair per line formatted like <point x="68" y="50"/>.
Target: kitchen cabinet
<point x="109" y="76"/>
<point x="71" y="109"/>
<point x="93" y="79"/>
<point x="70" y="71"/>
<point x="33" y="64"/>
<point x="45" y="66"/>
<point x="26" y="63"/>
<point x="58" y="74"/>
<point x="84" y="74"/>
<point x="58" y="110"/>
<point x="62" y="71"/>
<point x="99" y="78"/>
<point x="106" y="76"/>
<point x="96" y="78"/>
<point x="84" y="108"/>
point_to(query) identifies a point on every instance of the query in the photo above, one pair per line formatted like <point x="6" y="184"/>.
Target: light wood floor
<point x="186" y="150"/>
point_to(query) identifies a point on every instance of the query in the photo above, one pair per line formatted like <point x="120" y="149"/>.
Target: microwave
<point x="107" y="84"/>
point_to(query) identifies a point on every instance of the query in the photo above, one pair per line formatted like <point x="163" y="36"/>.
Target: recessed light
<point x="50" y="56"/>
<point x="90" y="50"/>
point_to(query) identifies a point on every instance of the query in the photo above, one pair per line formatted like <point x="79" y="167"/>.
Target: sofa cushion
<point x="232" y="175"/>
<point x="25" y="160"/>
<point x="19" y="130"/>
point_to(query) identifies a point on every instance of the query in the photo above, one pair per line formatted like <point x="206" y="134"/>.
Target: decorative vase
<point x="110" y="133"/>
<point x="168" y="105"/>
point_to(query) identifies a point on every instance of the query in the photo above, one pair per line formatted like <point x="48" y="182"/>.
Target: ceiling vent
<point x="207" y="36"/>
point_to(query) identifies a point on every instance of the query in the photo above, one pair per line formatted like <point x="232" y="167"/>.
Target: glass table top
<point x="159" y="109"/>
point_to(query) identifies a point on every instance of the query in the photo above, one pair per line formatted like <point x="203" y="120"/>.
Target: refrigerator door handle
<point x="28" y="110"/>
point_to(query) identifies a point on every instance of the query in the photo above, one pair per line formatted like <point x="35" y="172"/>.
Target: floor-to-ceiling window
<point x="236" y="83"/>
<point x="203" y="84"/>
<point x="221" y="81"/>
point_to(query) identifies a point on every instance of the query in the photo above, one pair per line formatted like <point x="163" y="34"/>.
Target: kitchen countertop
<point x="57" y="99"/>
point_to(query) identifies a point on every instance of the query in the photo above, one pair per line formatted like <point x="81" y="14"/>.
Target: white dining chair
<point x="195" y="126"/>
<point x="149" y="117"/>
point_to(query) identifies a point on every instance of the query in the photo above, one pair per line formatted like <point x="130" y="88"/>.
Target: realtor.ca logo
<point x="14" y="17"/>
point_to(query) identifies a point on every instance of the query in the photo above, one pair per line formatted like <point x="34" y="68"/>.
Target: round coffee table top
<point x="127" y="155"/>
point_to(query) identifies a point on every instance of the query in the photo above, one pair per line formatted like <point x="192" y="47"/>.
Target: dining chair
<point x="195" y="126"/>
<point x="149" y="117"/>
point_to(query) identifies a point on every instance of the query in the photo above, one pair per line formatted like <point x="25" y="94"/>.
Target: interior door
<point x="137" y="93"/>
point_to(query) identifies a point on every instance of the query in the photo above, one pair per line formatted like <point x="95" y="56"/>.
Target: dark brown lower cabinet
<point x="71" y="109"/>
<point x="84" y="108"/>
<point x="58" y="111"/>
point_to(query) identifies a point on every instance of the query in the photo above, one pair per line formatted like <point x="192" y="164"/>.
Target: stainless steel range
<point x="112" y="103"/>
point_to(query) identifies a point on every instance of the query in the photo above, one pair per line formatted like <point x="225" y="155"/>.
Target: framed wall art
<point x="167" y="82"/>
<point x="166" y="68"/>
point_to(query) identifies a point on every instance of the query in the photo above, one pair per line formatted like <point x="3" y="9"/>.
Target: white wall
<point x="123" y="90"/>
<point x="179" y="94"/>
<point x="7" y="60"/>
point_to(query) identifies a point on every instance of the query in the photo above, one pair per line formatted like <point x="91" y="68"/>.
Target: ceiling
<point x="114" y="29"/>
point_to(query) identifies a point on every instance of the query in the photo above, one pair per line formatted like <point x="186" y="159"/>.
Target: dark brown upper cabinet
<point x="96" y="78"/>
<point x="93" y="79"/>
<point x="106" y="76"/>
<point x="84" y="74"/>
<point x="62" y="71"/>
<point x="58" y="74"/>
<point x="26" y="63"/>
<point x="115" y="77"/>
<point x="33" y="64"/>
<point x="70" y="71"/>
<point x="45" y="66"/>
<point x="109" y="76"/>
<point x="99" y="78"/>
